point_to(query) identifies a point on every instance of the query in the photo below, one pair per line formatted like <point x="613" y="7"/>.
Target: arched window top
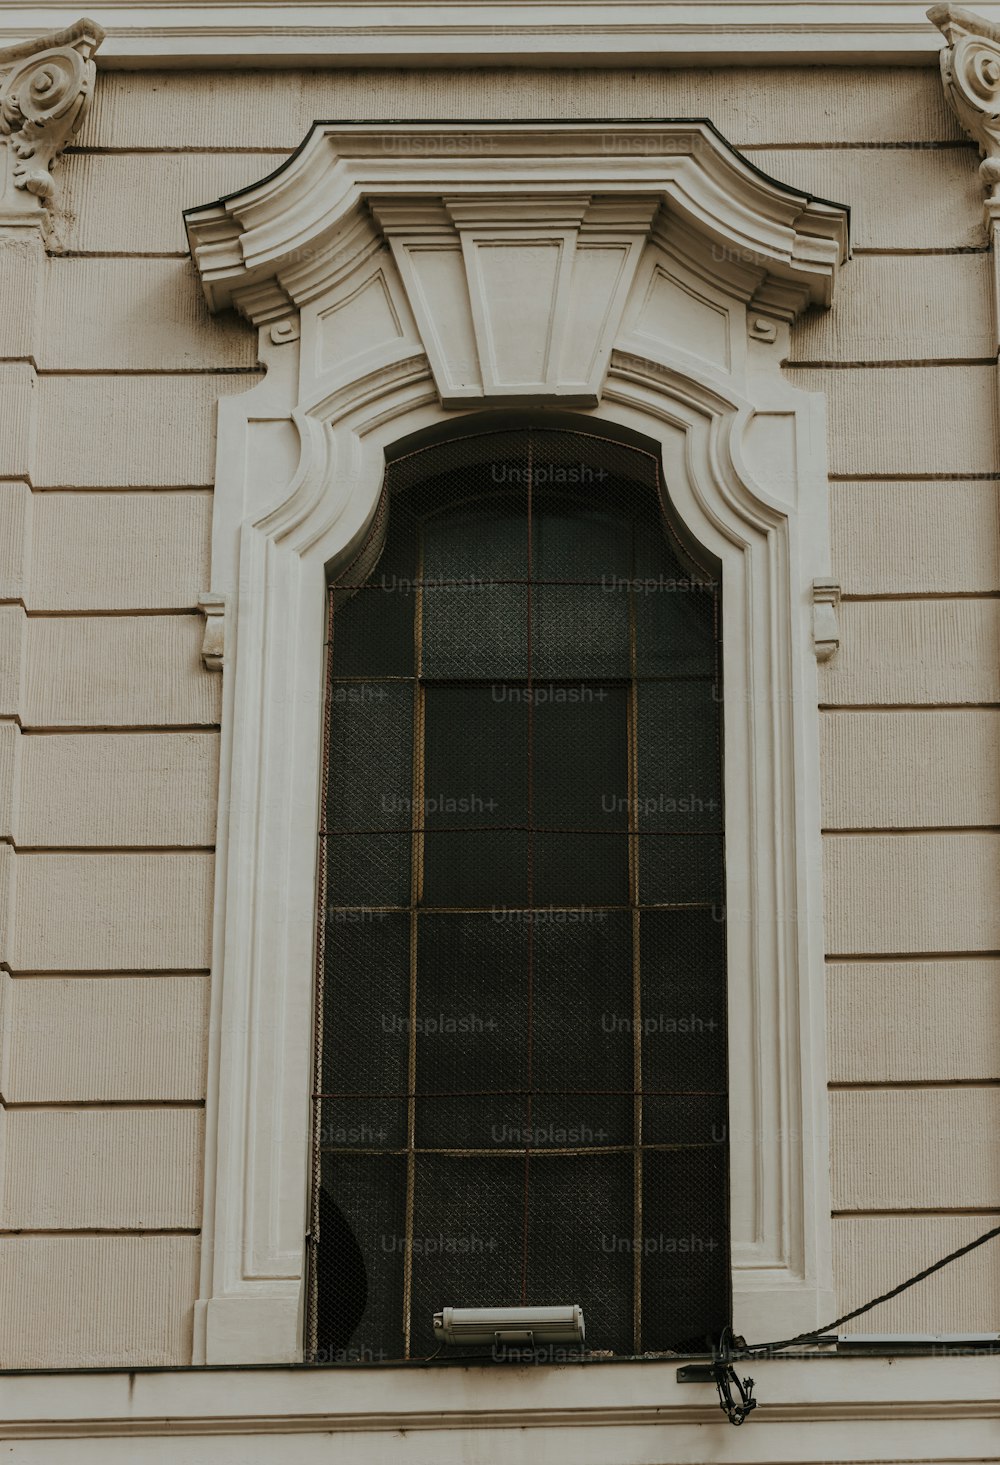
<point x="549" y="543"/>
<point x="522" y="982"/>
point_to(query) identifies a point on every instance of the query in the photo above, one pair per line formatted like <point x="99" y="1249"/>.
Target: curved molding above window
<point x="701" y="264"/>
<point x="565" y="209"/>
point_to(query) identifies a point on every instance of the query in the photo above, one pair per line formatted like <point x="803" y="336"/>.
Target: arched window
<point x="521" y="1066"/>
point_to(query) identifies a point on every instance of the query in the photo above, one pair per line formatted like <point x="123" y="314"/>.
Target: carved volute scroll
<point x="970" y="69"/>
<point x="45" y="89"/>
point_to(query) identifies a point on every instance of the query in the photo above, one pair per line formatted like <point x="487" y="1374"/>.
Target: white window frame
<point x="673" y="271"/>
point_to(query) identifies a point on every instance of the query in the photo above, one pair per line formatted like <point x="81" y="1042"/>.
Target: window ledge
<point x="908" y="1407"/>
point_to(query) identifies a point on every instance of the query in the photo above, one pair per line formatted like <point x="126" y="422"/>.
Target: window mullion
<point x="416" y="890"/>
<point x="633" y="882"/>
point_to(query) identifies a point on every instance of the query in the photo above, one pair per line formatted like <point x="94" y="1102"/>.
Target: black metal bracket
<point x="736" y="1398"/>
<point x="696" y="1373"/>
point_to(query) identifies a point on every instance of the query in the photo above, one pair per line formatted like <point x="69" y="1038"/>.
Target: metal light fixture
<point x="527" y="1325"/>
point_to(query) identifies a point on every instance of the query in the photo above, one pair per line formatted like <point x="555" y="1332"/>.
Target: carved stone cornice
<point x="45" y="89"/>
<point x="529" y="33"/>
<point x="970" y="70"/>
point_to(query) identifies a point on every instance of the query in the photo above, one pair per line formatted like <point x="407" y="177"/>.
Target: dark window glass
<point x="521" y="1092"/>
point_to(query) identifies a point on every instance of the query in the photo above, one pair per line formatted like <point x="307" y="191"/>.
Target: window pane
<point x="365" y="1029"/>
<point x="580" y="762"/>
<point x="582" y="977"/>
<point x="579" y="1209"/>
<point x="679" y="869"/>
<point x="685" y="1119"/>
<point x="675" y="620"/>
<point x="475" y="777"/>
<point x="685" y="1255"/>
<point x="683" y="1000"/>
<point x="472" y="1024"/>
<point x="475" y="757"/>
<point x="486" y="540"/>
<point x="371" y="756"/>
<point x="372" y="633"/>
<point x="571" y="541"/>
<point x="480" y="631"/>
<point x="356" y="1123"/>
<point x="485" y="870"/>
<point x="362" y="1215"/>
<point x="368" y="870"/>
<point x="579" y="631"/>
<point x="467" y="1233"/>
<point x="474" y="620"/>
<point x="677" y="756"/>
<point x="580" y="869"/>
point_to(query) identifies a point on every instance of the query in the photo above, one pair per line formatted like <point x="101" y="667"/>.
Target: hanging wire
<point x="736" y="1395"/>
<point x="748" y="1349"/>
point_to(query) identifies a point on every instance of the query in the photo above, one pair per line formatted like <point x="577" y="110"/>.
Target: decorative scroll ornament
<point x="44" y="98"/>
<point x="970" y="70"/>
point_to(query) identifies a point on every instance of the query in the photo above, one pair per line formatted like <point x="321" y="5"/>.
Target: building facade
<point x="252" y="255"/>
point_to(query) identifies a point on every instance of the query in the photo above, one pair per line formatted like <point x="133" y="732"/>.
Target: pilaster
<point x="45" y="89"/>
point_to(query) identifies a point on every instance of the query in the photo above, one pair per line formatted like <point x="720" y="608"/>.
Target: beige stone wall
<point x="911" y="727"/>
<point x="108" y="773"/>
<point x="110" y="368"/>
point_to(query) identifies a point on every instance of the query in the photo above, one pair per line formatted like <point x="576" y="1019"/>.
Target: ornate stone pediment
<point x="45" y="89"/>
<point x="516" y="246"/>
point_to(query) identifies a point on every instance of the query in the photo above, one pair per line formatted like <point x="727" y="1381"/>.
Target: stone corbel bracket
<point x="45" y="89"/>
<point x="970" y="70"/>
<point x="826" y="622"/>
<point x="213" y="645"/>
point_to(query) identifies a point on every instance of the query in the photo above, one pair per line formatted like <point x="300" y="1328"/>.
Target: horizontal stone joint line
<point x="902" y="832"/>
<point x="883" y="956"/>
<point x="100" y="151"/>
<point x="117" y="254"/>
<point x="887" y="364"/>
<point x="149" y="371"/>
<point x="866" y="249"/>
<point x="64" y="730"/>
<point x="23" y="973"/>
<point x="896" y="596"/>
<point x="118" y="613"/>
<point x="908" y="1084"/>
<point x="908" y="706"/>
<point x="928" y="1211"/>
<point x="120" y="488"/>
<point x="73" y="1105"/>
<point x="913" y="477"/>
<point x="112" y="849"/>
<point x="102" y="1231"/>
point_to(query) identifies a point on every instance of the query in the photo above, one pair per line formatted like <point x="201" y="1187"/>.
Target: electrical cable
<point x="749" y="1349"/>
